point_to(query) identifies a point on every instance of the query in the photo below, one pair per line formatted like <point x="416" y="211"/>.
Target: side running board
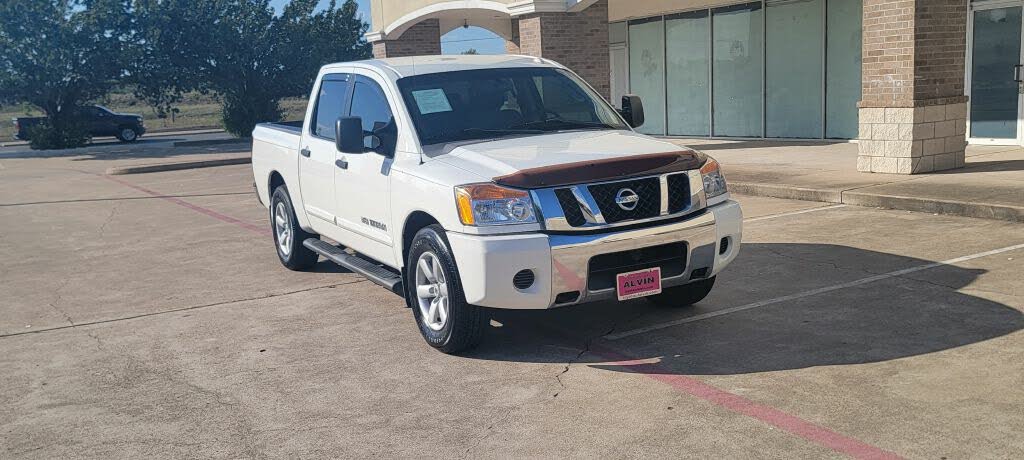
<point x="381" y="275"/>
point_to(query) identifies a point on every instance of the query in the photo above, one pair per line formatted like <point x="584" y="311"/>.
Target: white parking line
<point x="793" y="213"/>
<point x="800" y="295"/>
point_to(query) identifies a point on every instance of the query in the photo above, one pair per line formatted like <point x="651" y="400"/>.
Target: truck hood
<point x="548" y="152"/>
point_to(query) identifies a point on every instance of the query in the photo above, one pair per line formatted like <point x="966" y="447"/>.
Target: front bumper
<point x="561" y="262"/>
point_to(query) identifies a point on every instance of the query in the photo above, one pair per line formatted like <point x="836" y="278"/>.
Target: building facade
<point x="913" y="81"/>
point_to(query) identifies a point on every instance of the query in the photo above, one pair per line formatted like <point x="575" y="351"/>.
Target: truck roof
<point x="421" y="65"/>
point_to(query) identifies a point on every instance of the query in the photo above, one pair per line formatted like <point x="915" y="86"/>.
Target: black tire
<point x="127" y="134"/>
<point x="465" y="324"/>
<point x="685" y="295"/>
<point x="294" y="256"/>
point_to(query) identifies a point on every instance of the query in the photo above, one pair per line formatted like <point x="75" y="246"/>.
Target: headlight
<point x="714" y="181"/>
<point x="489" y="204"/>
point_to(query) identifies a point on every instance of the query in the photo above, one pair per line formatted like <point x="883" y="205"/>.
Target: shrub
<point x="242" y="114"/>
<point x="46" y="136"/>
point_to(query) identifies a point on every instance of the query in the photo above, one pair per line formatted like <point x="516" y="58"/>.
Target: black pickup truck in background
<point x="127" y="127"/>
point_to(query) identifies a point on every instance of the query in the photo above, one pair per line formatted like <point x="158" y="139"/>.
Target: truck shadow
<point x="917" y="313"/>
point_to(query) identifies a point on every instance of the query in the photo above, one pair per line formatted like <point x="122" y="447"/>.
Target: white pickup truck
<point x="474" y="182"/>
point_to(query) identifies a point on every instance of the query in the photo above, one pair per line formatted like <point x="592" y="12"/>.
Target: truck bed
<point x="285" y="134"/>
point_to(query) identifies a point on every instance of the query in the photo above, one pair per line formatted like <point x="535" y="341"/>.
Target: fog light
<point x="523" y="280"/>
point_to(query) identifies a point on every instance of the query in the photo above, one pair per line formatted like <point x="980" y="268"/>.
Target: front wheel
<point x="435" y="294"/>
<point x="288" y="235"/>
<point x="685" y="295"/>
<point x="127" y="134"/>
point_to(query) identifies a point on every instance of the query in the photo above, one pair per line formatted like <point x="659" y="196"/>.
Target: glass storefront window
<point x="780" y="68"/>
<point x="996" y="50"/>
<point x="793" y="68"/>
<point x="737" y="42"/>
<point x="688" y="59"/>
<point x="647" y="71"/>
<point x="843" y="68"/>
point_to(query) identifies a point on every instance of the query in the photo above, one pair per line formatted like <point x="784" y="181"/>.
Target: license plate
<point x="640" y="283"/>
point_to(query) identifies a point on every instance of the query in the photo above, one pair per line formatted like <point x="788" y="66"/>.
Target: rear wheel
<point x="685" y="295"/>
<point x="435" y="294"/>
<point x="288" y="235"/>
<point x="127" y="134"/>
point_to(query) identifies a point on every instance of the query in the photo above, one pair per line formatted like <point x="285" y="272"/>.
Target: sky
<point x="454" y="42"/>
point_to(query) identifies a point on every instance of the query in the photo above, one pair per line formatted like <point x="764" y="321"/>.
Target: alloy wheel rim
<point x="432" y="291"/>
<point x="128" y="134"/>
<point x="282" y="229"/>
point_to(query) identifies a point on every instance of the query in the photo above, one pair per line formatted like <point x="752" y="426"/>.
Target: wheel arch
<point x="414" y="222"/>
<point x="274" y="180"/>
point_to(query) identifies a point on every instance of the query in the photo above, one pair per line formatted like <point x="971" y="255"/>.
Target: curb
<point x="211" y="142"/>
<point x="142" y="169"/>
<point x="787" y="192"/>
<point x="903" y="203"/>
<point x="934" y="206"/>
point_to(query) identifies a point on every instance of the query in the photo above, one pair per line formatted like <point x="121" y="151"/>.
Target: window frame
<point x="366" y="79"/>
<point x="348" y="80"/>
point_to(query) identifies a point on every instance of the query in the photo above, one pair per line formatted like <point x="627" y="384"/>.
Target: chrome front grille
<point x="648" y="204"/>
<point x="609" y="204"/>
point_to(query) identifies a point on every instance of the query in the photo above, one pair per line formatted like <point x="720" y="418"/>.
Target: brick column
<point x="578" y="40"/>
<point x="913" y="112"/>
<point x="421" y="39"/>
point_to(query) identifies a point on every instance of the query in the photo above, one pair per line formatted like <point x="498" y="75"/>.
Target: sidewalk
<point x="990" y="186"/>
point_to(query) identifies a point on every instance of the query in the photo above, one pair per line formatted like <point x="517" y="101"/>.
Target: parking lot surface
<point x="147" y="316"/>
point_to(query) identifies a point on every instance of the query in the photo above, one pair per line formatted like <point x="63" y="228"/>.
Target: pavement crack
<point x="57" y="299"/>
<point x="103" y="228"/>
<point x="586" y="349"/>
<point x="488" y="431"/>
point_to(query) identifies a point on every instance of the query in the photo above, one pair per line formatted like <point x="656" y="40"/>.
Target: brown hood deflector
<point x="603" y="170"/>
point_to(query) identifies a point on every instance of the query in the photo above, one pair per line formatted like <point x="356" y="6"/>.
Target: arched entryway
<point x="574" y="33"/>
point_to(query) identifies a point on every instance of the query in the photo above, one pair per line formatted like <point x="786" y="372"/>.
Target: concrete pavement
<point x="990" y="186"/>
<point x="148" y="316"/>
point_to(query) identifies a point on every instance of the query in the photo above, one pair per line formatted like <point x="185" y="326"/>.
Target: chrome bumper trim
<point x="571" y="254"/>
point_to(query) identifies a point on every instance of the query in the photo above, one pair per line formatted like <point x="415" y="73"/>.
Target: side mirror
<point x="633" y="110"/>
<point x="348" y="135"/>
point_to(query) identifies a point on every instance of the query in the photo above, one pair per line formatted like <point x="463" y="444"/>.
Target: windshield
<point x="487" y="104"/>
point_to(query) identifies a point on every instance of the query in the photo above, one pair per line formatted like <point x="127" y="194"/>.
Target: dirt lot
<point x="148" y="316"/>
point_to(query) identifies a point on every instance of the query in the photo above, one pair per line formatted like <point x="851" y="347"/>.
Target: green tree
<point x="59" y="54"/>
<point x="243" y="52"/>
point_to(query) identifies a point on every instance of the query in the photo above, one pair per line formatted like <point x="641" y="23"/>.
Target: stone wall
<point x="912" y="140"/>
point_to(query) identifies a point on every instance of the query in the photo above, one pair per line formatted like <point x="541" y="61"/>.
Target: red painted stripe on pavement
<point x="733" y="402"/>
<point x="209" y="212"/>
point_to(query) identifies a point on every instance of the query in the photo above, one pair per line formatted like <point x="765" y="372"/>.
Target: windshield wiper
<point x="560" y="124"/>
<point x="478" y="133"/>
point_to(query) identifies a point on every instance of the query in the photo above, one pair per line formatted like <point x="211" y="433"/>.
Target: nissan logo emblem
<point x="627" y="199"/>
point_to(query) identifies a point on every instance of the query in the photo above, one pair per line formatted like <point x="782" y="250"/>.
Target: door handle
<point x="1016" y="73"/>
<point x="341" y="164"/>
<point x="304" y="152"/>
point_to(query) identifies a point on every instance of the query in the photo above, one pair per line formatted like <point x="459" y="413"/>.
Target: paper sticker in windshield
<point x="431" y="101"/>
